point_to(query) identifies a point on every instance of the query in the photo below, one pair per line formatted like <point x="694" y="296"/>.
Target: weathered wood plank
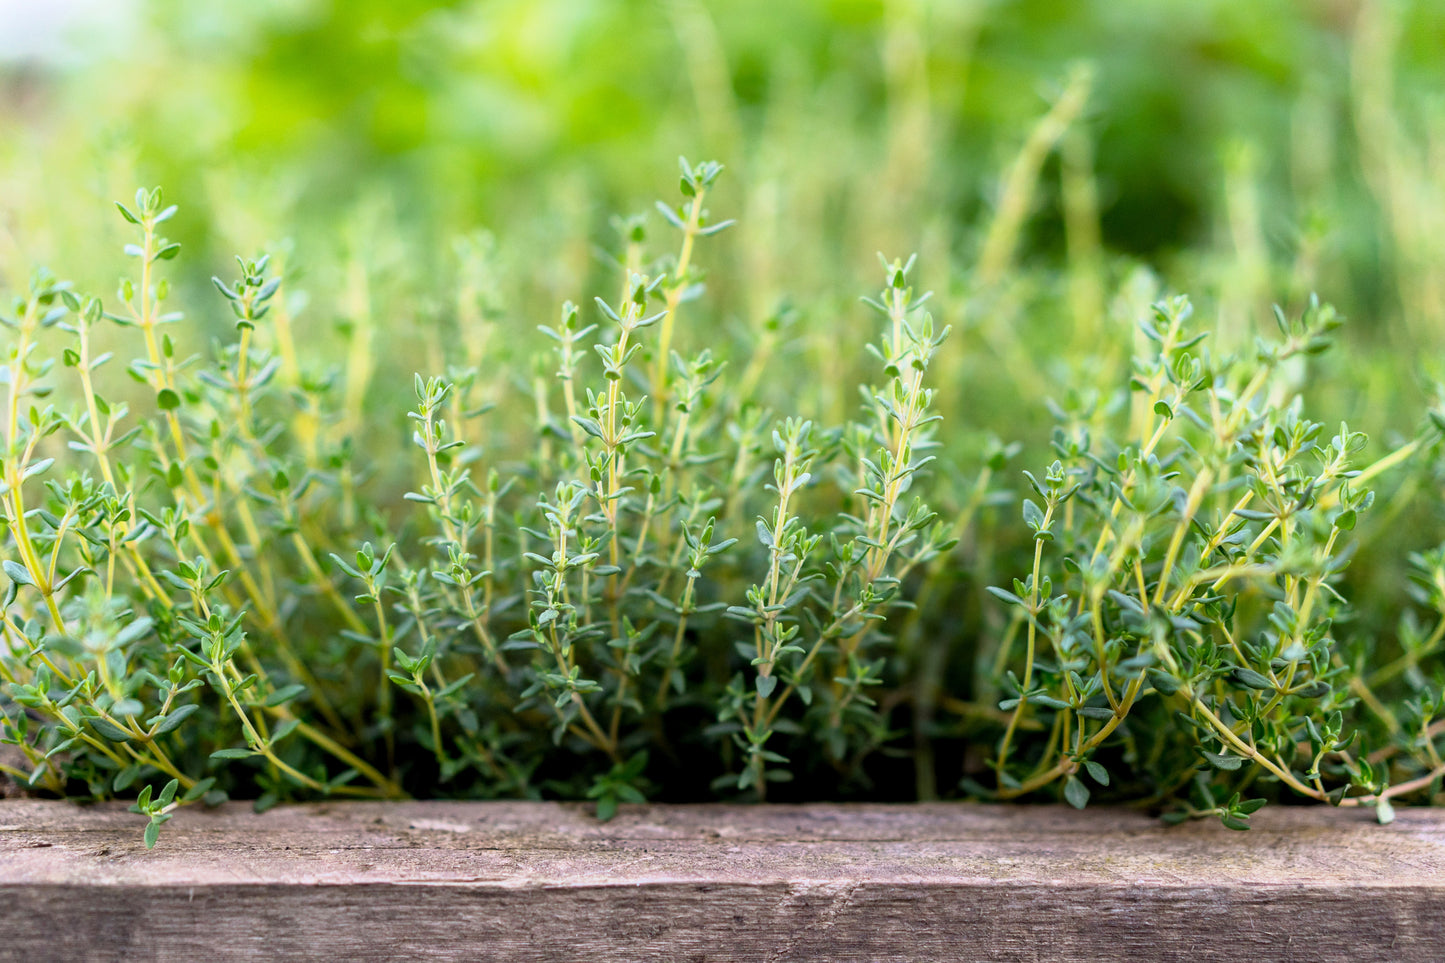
<point x="531" y="882"/>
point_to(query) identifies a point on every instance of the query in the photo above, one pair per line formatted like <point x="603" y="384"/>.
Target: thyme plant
<point x="1179" y="626"/>
<point x="593" y="561"/>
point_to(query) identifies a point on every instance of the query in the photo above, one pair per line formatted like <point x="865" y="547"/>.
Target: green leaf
<point x="670" y="215"/>
<point x="167" y="400"/>
<point x="18" y="573"/>
<point x="1076" y="793"/>
<point x="283" y="730"/>
<point x="152" y="833"/>
<point x="1163" y="682"/>
<point x="1384" y="812"/>
<point x="172" y="719"/>
<point x="125" y="778"/>
<point x="111" y="731"/>
<point x="234" y="754"/>
<point x="138" y="629"/>
<point x="1252" y="679"/>
<point x="717" y="228"/>
<point x="590" y="426"/>
<point x="127" y="708"/>
<point x="199" y="789"/>
<point x="286" y="694"/>
<point x="1223" y="761"/>
<point x="1003" y="594"/>
<point x="1033" y="514"/>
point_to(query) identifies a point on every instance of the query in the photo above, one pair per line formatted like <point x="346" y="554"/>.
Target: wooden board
<point x="687" y="884"/>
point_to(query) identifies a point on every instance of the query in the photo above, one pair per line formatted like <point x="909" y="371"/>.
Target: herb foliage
<point x="618" y="569"/>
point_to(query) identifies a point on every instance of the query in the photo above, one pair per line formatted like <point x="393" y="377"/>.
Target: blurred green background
<point x="861" y="125"/>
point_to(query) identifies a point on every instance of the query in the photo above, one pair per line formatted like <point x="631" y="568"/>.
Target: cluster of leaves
<point x="1179" y="622"/>
<point x="616" y="574"/>
<point x="199" y="590"/>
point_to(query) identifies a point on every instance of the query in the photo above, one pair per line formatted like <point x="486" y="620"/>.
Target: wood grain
<point x="543" y="881"/>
